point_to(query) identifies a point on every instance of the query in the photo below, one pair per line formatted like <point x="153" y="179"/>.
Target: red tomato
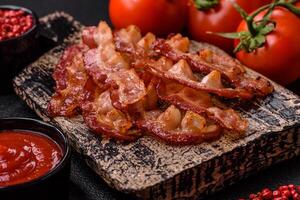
<point x="278" y="58"/>
<point x="160" y="16"/>
<point x="221" y="18"/>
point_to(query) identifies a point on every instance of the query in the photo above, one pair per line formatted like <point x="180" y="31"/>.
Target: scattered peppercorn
<point x="276" y="194"/>
<point x="14" y="23"/>
<point x="266" y="194"/>
<point x="284" y="187"/>
<point x="284" y="192"/>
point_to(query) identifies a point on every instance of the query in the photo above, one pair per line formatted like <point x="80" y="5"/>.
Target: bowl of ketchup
<point x="34" y="160"/>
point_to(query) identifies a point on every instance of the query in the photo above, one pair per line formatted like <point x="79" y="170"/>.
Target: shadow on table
<point x="87" y="185"/>
<point x="284" y="173"/>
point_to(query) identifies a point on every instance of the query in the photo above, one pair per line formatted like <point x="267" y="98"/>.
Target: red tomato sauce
<point x="25" y="156"/>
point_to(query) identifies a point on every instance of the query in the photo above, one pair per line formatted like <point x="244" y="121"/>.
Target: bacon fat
<point x="122" y="82"/>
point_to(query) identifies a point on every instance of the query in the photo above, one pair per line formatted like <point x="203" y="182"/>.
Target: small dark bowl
<point x="54" y="184"/>
<point x="15" y="51"/>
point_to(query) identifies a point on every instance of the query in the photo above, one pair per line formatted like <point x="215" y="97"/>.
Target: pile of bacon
<point x="123" y="83"/>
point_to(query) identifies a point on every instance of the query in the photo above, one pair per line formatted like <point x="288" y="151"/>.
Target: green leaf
<point x="205" y="4"/>
<point x="226" y="35"/>
<point x="266" y="18"/>
<point x="260" y="39"/>
<point x="291" y="8"/>
<point x="268" y="28"/>
<point x="257" y="32"/>
<point x="238" y="47"/>
<point x="242" y="12"/>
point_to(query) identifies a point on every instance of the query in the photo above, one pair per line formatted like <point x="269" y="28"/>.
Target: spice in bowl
<point x="19" y="38"/>
<point x="14" y="22"/>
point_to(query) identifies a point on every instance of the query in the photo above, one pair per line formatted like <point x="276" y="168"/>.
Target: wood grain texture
<point x="151" y="169"/>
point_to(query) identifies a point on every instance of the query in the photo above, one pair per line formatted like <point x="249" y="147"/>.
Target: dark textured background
<point x="85" y="184"/>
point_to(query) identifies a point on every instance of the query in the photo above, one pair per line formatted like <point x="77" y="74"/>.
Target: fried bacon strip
<point x="172" y="125"/>
<point x="108" y="67"/>
<point x="127" y="39"/>
<point x="201" y="103"/>
<point x="182" y="73"/>
<point x="176" y="48"/>
<point x="121" y="82"/>
<point x="88" y="36"/>
<point x="130" y="41"/>
<point x="103" y="118"/>
<point x="179" y="128"/>
<point x="70" y="77"/>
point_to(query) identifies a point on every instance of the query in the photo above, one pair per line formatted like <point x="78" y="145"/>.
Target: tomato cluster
<point x="277" y="57"/>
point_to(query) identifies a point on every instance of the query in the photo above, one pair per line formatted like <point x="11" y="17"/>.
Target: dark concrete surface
<point x="85" y="184"/>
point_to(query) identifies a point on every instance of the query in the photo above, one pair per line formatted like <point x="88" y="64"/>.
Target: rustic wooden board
<point x="151" y="169"/>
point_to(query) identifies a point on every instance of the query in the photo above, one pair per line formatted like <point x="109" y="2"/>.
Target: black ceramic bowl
<point x="54" y="184"/>
<point x="16" y="51"/>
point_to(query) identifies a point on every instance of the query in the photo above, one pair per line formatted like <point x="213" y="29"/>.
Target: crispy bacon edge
<point x="237" y="124"/>
<point x="101" y="128"/>
<point x="177" y="138"/>
<point x="87" y="36"/>
<point x="151" y="67"/>
<point x="131" y="47"/>
<point x="236" y="75"/>
<point x="61" y="80"/>
<point x="90" y="117"/>
<point x="154" y="128"/>
<point x="113" y="70"/>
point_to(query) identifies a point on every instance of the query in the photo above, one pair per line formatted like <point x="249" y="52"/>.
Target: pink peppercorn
<point x="266" y="194"/>
<point x="14" y="23"/>
<point x="276" y="194"/>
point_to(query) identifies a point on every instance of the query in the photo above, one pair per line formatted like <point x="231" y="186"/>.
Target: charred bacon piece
<point x="227" y="118"/>
<point x="201" y="103"/>
<point x="107" y="78"/>
<point x="130" y="41"/>
<point x="176" y="48"/>
<point x="102" y="118"/>
<point x="107" y="66"/>
<point x="88" y="36"/>
<point x="178" y="128"/>
<point x="70" y="77"/>
<point x="182" y="73"/>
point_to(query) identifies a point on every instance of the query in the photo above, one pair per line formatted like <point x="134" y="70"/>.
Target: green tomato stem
<point x="245" y="16"/>
<point x="259" y="10"/>
<point x="205" y="4"/>
<point x="251" y="29"/>
<point x="255" y="36"/>
<point x="287" y="4"/>
<point x="266" y="18"/>
<point x="290" y="7"/>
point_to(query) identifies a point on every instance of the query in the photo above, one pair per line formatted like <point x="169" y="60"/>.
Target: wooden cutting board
<point x="151" y="169"/>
